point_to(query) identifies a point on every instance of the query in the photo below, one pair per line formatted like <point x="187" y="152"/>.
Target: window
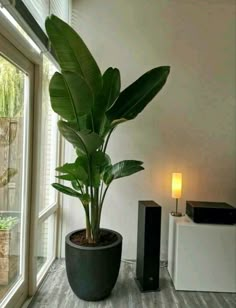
<point x="16" y="88"/>
<point x="48" y="141"/>
<point x="29" y="147"/>
<point x="46" y="242"/>
<point x="48" y="158"/>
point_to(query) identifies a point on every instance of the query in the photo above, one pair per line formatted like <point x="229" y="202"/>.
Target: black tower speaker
<point x="148" y="246"/>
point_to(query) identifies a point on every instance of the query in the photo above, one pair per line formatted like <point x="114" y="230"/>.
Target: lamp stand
<point x="176" y="213"/>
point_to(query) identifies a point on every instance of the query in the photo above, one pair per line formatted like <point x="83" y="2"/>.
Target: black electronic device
<point x="148" y="246"/>
<point x="211" y="212"/>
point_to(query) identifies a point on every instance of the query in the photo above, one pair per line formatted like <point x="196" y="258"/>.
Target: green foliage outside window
<point x="7" y="223"/>
<point x="11" y="89"/>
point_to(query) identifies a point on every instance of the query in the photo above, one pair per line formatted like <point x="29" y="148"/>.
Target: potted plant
<point x="91" y="106"/>
<point x="8" y="239"/>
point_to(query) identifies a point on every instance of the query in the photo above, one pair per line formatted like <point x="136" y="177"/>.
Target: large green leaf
<point x="80" y="92"/>
<point x="72" y="53"/>
<point x="66" y="190"/>
<point x="121" y="169"/>
<point x="98" y="161"/>
<point x="66" y="177"/>
<point x="85" y="123"/>
<point x="82" y="160"/>
<point x="135" y="97"/>
<point x="76" y="185"/>
<point x="71" y="96"/>
<point x="76" y="171"/>
<point x="111" y="86"/>
<point x="86" y="142"/>
<point x="110" y="92"/>
<point x="61" y="101"/>
<point x="84" y="198"/>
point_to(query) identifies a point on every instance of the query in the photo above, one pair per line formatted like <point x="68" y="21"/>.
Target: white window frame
<point x="20" y="288"/>
<point x="18" y="47"/>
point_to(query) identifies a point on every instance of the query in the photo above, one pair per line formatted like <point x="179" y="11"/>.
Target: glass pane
<point x="14" y="93"/>
<point x="45" y="241"/>
<point x="48" y="142"/>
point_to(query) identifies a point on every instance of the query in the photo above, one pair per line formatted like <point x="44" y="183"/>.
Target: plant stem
<point x="88" y="223"/>
<point x="101" y="192"/>
<point x="88" y="226"/>
<point x="92" y="122"/>
<point x="91" y="192"/>
<point x="108" y="137"/>
<point x="90" y="177"/>
<point x="101" y="205"/>
<point x="96" y="213"/>
<point x="80" y="187"/>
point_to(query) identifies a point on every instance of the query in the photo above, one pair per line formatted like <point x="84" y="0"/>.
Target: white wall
<point x="190" y="127"/>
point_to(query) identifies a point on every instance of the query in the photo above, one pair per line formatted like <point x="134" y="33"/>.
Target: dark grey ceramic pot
<point x="92" y="271"/>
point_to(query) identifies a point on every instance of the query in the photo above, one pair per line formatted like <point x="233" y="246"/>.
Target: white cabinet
<point x="201" y="257"/>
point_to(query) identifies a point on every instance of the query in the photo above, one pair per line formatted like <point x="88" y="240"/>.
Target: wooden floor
<point x="56" y="293"/>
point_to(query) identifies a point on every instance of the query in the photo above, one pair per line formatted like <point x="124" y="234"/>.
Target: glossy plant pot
<point x="92" y="271"/>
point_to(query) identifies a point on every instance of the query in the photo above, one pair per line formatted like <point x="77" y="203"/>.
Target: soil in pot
<point x="105" y="238"/>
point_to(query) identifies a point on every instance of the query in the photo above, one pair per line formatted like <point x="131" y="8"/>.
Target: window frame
<point x="10" y="52"/>
<point x="17" y="47"/>
<point x="53" y="209"/>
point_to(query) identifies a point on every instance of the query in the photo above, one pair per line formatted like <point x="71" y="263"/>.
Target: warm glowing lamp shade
<point x="176" y="191"/>
<point x="176" y="185"/>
